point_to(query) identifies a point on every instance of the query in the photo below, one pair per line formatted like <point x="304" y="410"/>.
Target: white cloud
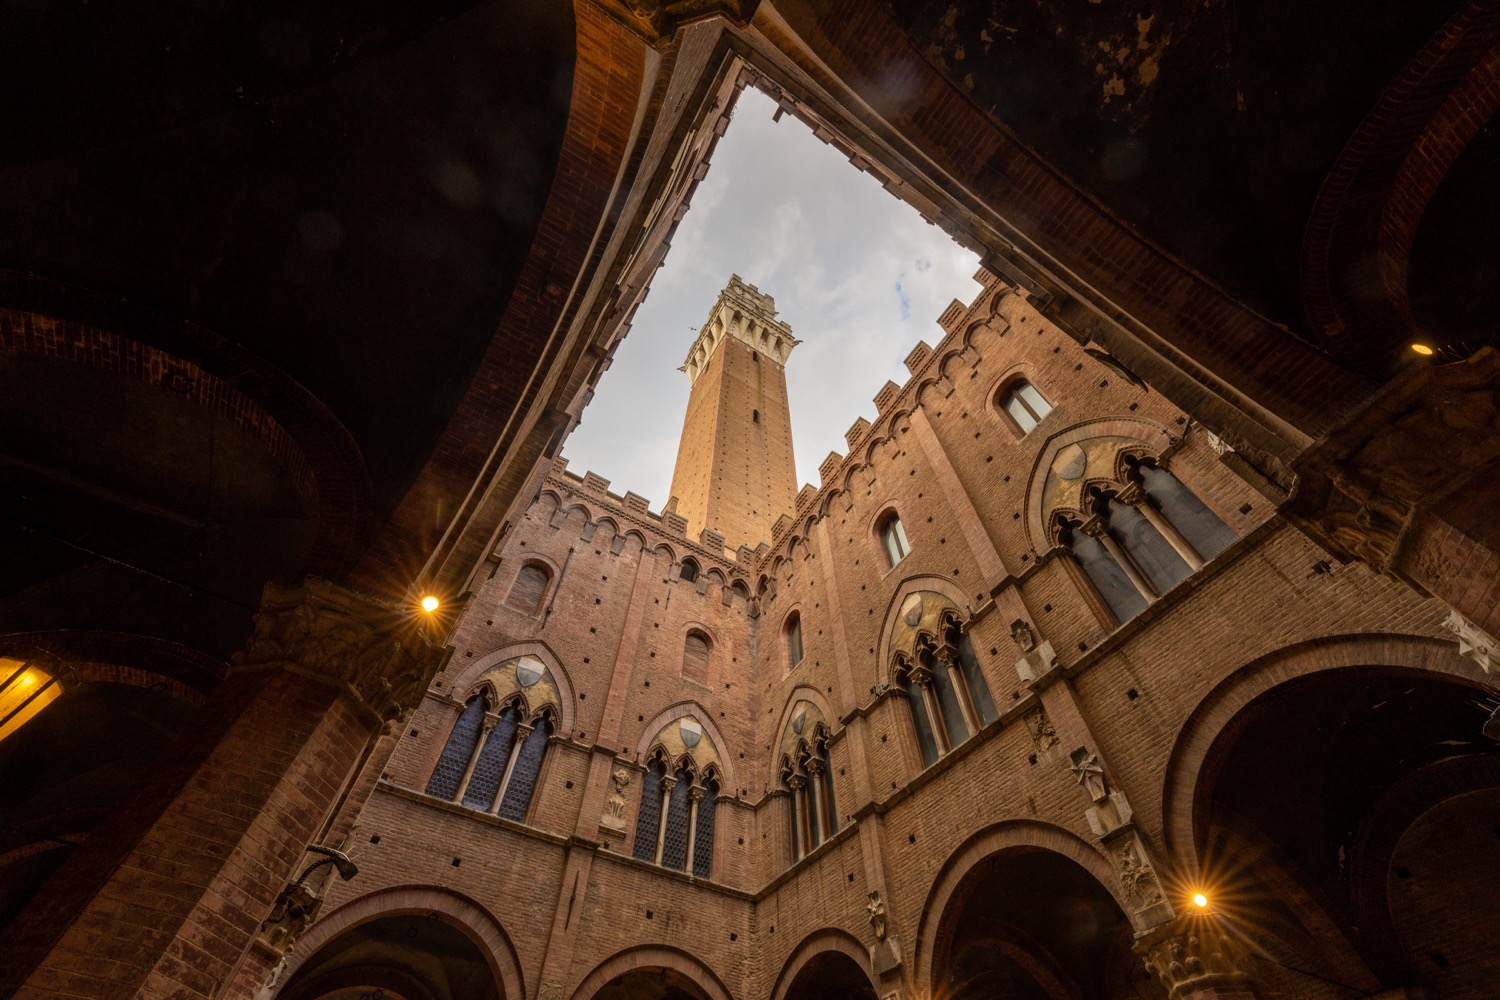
<point x="858" y="275"/>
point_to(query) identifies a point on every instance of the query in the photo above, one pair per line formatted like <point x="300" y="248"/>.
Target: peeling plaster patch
<point x="1113" y="87"/>
<point x="1147" y="71"/>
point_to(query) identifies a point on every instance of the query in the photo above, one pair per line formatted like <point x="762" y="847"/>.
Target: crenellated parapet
<point x="746" y="314"/>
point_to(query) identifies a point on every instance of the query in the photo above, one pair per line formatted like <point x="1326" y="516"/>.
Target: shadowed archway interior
<point x="404" y="957"/>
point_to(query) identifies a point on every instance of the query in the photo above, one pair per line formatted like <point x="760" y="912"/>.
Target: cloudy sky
<point x="858" y="275"/>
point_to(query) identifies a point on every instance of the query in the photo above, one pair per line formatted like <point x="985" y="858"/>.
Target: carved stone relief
<point x="1043" y="733"/>
<point x="1184" y="952"/>
<point x="376" y="653"/>
<point x="1474" y="643"/>
<point x="613" y="817"/>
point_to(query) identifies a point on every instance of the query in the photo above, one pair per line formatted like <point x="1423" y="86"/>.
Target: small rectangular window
<point x="794" y="641"/>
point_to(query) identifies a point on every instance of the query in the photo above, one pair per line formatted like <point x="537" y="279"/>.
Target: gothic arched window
<point x="688" y="573"/>
<point x="491" y="760"/>
<point x="1024" y="404"/>
<point x="793" y="633"/>
<point x="675" y="825"/>
<point x="807" y="778"/>
<point x="1142" y="539"/>
<point x="893" y="538"/>
<point x="944" y="686"/>
<point x="529" y="588"/>
<point x="696" y="650"/>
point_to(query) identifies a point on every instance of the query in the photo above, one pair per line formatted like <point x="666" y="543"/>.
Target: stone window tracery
<point x="675" y="822"/>
<point x="1139" y="535"/>
<point x="493" y="756"/>
<point x="806" y="776"/>
<point x="675" y="826"/>
<point x="934" y="665"/>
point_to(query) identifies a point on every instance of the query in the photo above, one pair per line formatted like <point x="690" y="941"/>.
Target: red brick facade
<point x="1156" y="700"/>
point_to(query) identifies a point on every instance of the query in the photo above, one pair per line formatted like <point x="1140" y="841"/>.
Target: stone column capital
<point x="377" y="653"/>
<point x="1192" y="953"/>
<point x="921" y="674"/>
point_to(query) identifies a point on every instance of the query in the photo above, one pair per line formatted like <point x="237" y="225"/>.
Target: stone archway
<point x="830" y="962"/>
<point x="337" y="949"/>
<point x="1028" y="911"/>
<point x="650" y="972"/>
<point x="1340" y="814"/>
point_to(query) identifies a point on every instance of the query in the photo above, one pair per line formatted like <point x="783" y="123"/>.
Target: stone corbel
<point x="1194" y="955"/>
<point x="377" y="653"/>
<point x="1037" y="662"/>
<point x="1474" y="643"/>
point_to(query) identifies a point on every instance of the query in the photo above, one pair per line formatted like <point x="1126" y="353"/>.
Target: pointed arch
<point x="817" y="943"/>
<point x="543" y="652"/>
<point x="651" y="956"/>
<point x="680" y="710"/>
<point x="1184" y="770"/>
<point x="909" y="586"/>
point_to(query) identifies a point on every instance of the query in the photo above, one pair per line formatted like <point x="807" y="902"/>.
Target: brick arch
<point x="459" y="688"/>
<point x="1005" y="837"/>
<point x="467" y="916"/>
<point x="187" y="674"/>
<point x="651" y="956"/>
<point x="1185" y="773"/>
<point x="1152" y="435"/>
<point x="681" y="710"/>
<point x="821" y="942"/>
<point x="936" y="584"/>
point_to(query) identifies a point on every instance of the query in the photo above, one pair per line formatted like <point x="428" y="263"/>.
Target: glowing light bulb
<point x="1200" y="900"/>
<point x="430" y="604"/>
<point x="1423" y="350"/>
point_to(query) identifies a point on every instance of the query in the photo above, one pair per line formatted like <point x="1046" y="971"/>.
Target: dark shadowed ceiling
<point x="345" y="191"/>
<point x="1207" y="125"/>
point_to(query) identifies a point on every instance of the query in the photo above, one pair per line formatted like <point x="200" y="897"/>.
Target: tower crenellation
<point x="735" y="472"/>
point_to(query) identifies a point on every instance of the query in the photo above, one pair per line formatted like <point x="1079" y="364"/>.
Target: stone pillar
<point x="1094" y="527"/>
<point x="667" y="783"/>
<point x="484" y="737"/>
<point x="921" y="675"/>
<point x="166" y="899"/>
<point x="695" y="793"/>
<point x="522" y="731"/>
<point x="1195" y="958"/>
<point x="799" y="813"/>
<point x="1134" y="496"/>
<point x="947" y="655"/>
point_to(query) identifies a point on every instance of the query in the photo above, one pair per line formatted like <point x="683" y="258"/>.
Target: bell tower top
<point x="735" y="473"/>
<point x="747" y="314"/>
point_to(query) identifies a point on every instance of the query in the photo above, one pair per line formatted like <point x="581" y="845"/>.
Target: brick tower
<point x="735" y="473"/>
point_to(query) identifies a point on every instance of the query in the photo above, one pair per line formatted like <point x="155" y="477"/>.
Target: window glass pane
<point x="794" y="641"/>
<point x="674" y="848"/>
<point x="1111" y="583"/>
<point x="1151" y="552"/>
<point x="1200" y="526"/>
<point x="523" y="778"/>
<point x="455" y="759"/>
<point x="1032" y="398"/>
<point x="919" y="719"/>
<point x="984" y="705"/>
<point x="829" y="806"/>
<point x="953" y="715"/>
<point x="492" y="761"/>
<point x="649" y="819"/>
<point x="901" y="537"/>
<point x="1018" y="412"/>
<point x="703" y="833"/>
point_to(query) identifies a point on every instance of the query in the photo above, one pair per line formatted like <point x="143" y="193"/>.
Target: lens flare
<point x="1423" y="350"/>
<point x="1200" y="900"/>
<point x="430" y="604"/>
